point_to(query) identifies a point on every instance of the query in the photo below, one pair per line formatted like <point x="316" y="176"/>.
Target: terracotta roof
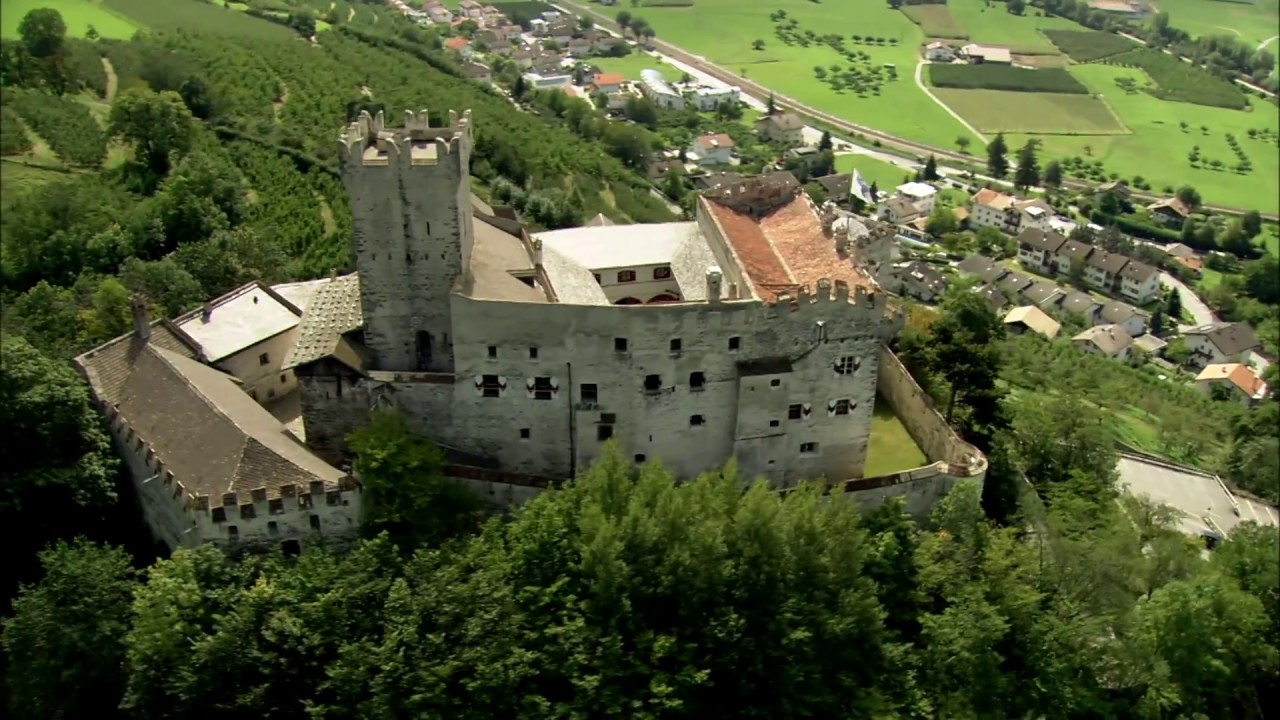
<point x="609" y="79"/>
<point x="717" y="140"/>
<point x="334" y="311"/>
<point x="960" y="213"/>
<point x="456" y="43"/>
<point x="991" y="198"/>
<point x="1191" y="263"/>
<point x="1237" y="374"/>
<point x="786" y="248"/>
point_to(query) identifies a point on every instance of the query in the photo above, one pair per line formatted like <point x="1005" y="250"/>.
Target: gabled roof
<point x="1179" y="250"/>
<point x="982" y="267"/>
<point x="902" y="207"/>
<point x="1075" y="251"/>
<point x="1043" y="293"/>
<point x="1109" y="262"/>
<point x="993" y="199"/>
<point x="1238" y="375"/>
<point x="1034" y="319"/>
<point x="334" y="311"/>
<point x="1110" y="339"/>
<point x="716" y="140"/>
<point x="1118" y="312"/>
<point x="924" y="274"/>
<point x="784" y="122"/>
<point x="1138" y="271"/>
<point x="1014" y="283"/>
<point x="244" y="317"/>
<point x="837" y="186"/>
<point x="1172" y="205"/>
<point x="992" y="296"/>
<point x="1228" y="338"/>
<point x="1080" y="303"/>
<point x="1038" y="239"/>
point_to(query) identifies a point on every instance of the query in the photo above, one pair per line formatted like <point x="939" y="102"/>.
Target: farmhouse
<point x="712" y="149"/>
<point x="1110" y="341"/>
<point x="938" y="51"/>
<point x="986" y="54"/>
<point x="1240" y="382"/>
<point x="1170" y="211"/>
<point x="1029" y="318"/>
<point x="782" y="128"/>
<point x="1220" y="342"/>
<point x="656" y="88"/>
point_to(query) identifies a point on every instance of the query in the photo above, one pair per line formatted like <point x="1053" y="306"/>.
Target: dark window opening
<point x="493" y="351"/>
<point x="490" y="387"/>
<point x="264" y="358"/>
<point x="315" y="522"/>
<point x="333" y="498"/>
<point x="524" y="433"/>
<point x="619" y="344"/>
<point x="248" y="512"/>
<point x="608" y="418"/>
<point x="626" y="276"/>
<point x="273" y="528"/>
<point x="775" y="382"/>
<point x="542" y="388"/>
<point x="233" y="532"/>
<point x="291" y="548"/>
<point x="735" y="343"/>
<point x="842" y="407"/>
<point x="795" y="412"/>
<point x="809" y="448"/>
<point x="219" y="515"/>
<point x="639" y="458"/>
<point x="652" y="383"/>
<point x="661" y="273"/>
<point x="604" y="432"/>
<point x="284" y="379"/>
<point x="697" y="420"/>
<point x="424" y="349"/>
<point x="773" y="423"/>
<point x="675" y="345"/>
<point x="697" y="380"/>
<point x="276" y="506"/>
<point x="847" y="365"/>
<point x="589" y="393"/>
<point x="533" y="353"/>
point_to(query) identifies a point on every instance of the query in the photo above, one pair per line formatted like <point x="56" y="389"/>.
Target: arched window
<point x="628" y="301"/>
<point x="663" y="298"/>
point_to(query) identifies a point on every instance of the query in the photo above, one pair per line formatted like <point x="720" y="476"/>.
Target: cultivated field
<point x="1158" y="147"/>
<point x="77" y="14"/>
<point x="1252" y="21"/>
<point x="993" y="111"/>
<point x="1088" y="45"/>
<point x="1004" y="77"/>
<point x="935" y="21"/>
<point x="994" y="25"/>
<point x="1173" y="79"/>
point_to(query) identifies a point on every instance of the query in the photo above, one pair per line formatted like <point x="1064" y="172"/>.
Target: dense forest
<point x="197" y="158"/>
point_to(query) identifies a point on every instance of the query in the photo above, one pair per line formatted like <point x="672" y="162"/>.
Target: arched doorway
<point x="628" y="301"/>
<point x="663" y="298"/>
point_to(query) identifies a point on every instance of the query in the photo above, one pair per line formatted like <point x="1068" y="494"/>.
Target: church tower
<point x="411" y="205"/>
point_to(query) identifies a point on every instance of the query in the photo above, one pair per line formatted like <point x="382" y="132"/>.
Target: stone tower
<point x="411" y="205"/>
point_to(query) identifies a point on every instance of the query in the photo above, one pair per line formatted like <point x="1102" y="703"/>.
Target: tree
<point x="941" y="221"/>
<point x="1157" y="321"/>
<point x="64" y="641"/>
<point x="1027" y="173"/>
<point x="1017" y="7"/>
<point x="824" y="143"/>
<point x="1262" y="280"/>
<point x="930" y="171"/>
<point x="1252" y="224"/>
<point x="406" y="492"/>
<point x="1052" y="174"/>
<point x="963" y="143"/>
<point x="771" y="108"/>
<point x="966" y="350"/>
<point x="1173" y="306"/>
<point x="158" y="125"/>
<point x="1189" y="196"/>
<point x="997" y="162"/>
<point x="623" y="18"/>
<point x="757" y="45"/>
<point x="642" y="110"/>
<point x="43" y="33"/>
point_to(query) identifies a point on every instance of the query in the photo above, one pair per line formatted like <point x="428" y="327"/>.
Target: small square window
<point x="697" y="380"/>
<point x="315" y="522"/>
<point x="735" y="343"/>
<point x="842" y="407"/>
<point x="652" y="383"/>
<point x="604" y="432"/>
<point x="333" y="498"/>
<point x="662" y="273"/>
<point x="493" y="351"/>
<point x="809" y="448"/>
<point x="619" y="344"/>
<point x="264" y="358"/>
<point x="773" y="423"/>
<point x="542" y="389"/>
<point x="775" y="382"/>
<point x="847" y="365"/>
<point x="675" y="345"/>
<point x="639" y="458"/>
<point x="273" y="528"/>
<point x="795" y="412"/>
<point x="589" y="393"/>
<point x="248" y="512"/>
<point x="697" y="420"/>
<point x="533" y="353"/>
<point x="276" y="506"/>
<point x="218" y="515"/>
<point x="233" y="532"/>
<point x="490" y="387"/>
<point x="626" y="276"/>
<point x="524" y="433"/>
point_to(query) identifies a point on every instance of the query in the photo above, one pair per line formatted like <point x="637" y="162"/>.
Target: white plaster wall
<point x="339" y="521"/>
<point x="264" y="381"/>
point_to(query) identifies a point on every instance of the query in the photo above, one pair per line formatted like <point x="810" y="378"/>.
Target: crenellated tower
<point x="411" y="205"/>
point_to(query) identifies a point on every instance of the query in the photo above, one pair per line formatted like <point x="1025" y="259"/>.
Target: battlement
<point x="369" y="140"/>
<point x="829" y="291"/>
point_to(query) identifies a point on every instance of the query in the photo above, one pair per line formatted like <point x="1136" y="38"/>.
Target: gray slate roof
<point x="1042" y="293"/>
<point x="1229" y="338"/>
<point x="982" y="267"/>
<point x="334" y="311"/>
<point x="1111" y="263"/>
<point x="1038" y="239"/>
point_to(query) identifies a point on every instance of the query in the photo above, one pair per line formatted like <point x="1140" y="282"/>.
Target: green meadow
<point x="1253" y="22"/>
<point x="79" y="15"/>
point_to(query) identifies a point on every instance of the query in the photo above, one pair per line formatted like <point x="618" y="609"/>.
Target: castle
<point x="755" y="331"/>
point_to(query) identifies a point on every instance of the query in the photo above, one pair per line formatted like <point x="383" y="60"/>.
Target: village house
<point x="547" y="82"/>
<point x="1237" y="380"/>
<point x="1007" y="213"/>
<point x="1013" y="284"/>
<point x="706" y="98"/>
<point x="1140" y="282"/>
<point x="1107" y="340"/>
<point x="460" y="45"/>
<point x="1170" y="211"/>
<point x="1029" y="318"/>
<point x="983" y="268"/>
<point x="781" y="128"/>
<point x="657" y="89"/>
<point x="919" y="280"/>
<point x="716" y="180"/>
<point x="524" y="57"/>
<point x="938" y="51"/>
<point x="1081" y="304"/>
<point x="1116" y="188"/>
<point x="897" y="210"/>
<point x="1043" y="295"/>
<point x="608" y="82"/>
<point x="1122" y="314"/>
<point x="986" y="54"/>
<point x="579" y="47"/>
<point x="922" y="195"/>
<point x="471" y="9"/>
<point x="838" y="187"/>
<point x="992" y="298"/>
<point x="1149" y="344"/>
<point x="658" y="169"/>
<point x="714" y="149"/>
<point x="476" y="71"/>
<point x="1071" y="254"/>
<point x="438" y="13"/>
<point x="1220" y="342"/>
<point x="1102" y="269"/>
<point x="1037" y="249"/>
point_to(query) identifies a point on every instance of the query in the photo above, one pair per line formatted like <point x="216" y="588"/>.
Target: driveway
<point x="1196" y="307"/>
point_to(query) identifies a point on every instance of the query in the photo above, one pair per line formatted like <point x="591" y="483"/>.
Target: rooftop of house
<point x="1110" y="339"/>
<point x="1138" y="271"/>
<point x="299" y="294"/>
<point x="1239" y="375"/>
<point x="1040" y="240"/>
<point x="1149" y="343"/>
<point x="499" y="259"/>
<point x="1042" y="293"/>
<point x="1080" y="303"/>
<point x="1034" y="319"/>
<point x="1014" y="283"/>
<point x="937" y="44"/>
<point x="917" y="190"/>
<point x="992" y="296"/>
<point x="1173" y="205"/>
<point x="784" y="122"/>
<point x="924" y="274"/>
<point x="239" y="320"/>
<point x="1202" y="502"/>
<point x="1115" y="311"/>
<point x="717" y="140"/>
<point x="993" y="199"/>
<point x="197" y="420"/>
<point x="837" y="186"/>
<point x="1108" y="262"/>
<point x="334" y="310"/>
<point x="1230" y="338"/>
<point x="1075" y="251"/>
<point x="713" y="181"/>
<point x="1179" y="250"/>
<point x="619" y="247"/>
<point x="474" y="70"/>
<point x="901" y="207"/>
<point x="456" y="43"/>
<point x="989" y="52"/>
<point x="983" y="267"/>
<point x="776" y="235"/>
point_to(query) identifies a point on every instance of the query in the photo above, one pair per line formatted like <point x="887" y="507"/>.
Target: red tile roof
<point x="456" y="43"/>
<point x="786" y="249"/>
<point x="1243" y="378"/>
<point x="717" y="140"/>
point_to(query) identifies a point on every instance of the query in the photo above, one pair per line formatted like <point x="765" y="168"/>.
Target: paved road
<point x="1196" y="307"/>
<point x="925" y="89"/>
<point x="749" y="87"/>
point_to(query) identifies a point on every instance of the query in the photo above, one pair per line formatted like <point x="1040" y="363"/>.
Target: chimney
<point x="842" y="238"/>
<point x="714" y="279"/>
<point x="141" y="317"/>
<point x="537" y="252"/>
<point x="206" y="313"/>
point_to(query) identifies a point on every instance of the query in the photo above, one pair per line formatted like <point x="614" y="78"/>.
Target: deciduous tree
<point x="158" y="125"/>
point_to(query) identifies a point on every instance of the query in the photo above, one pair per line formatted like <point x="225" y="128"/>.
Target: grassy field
<point x="631" y="65"/>
<point x="993" y="111"/>
<point x="1252" y="21"/>
<point x="77" y="14"/>
<point x="996" y="26"/>
<point x="890" y="448"/>
<point x="884" y="175"/>
<point x="188" y="14"/>
<point x="935" y="21"/>
<point x="1158" y="147"/>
